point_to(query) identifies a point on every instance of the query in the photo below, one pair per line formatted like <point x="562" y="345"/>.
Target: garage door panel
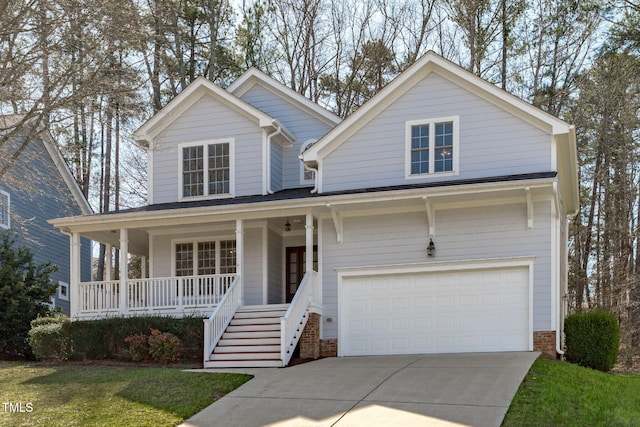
<point x="460" y="311"/>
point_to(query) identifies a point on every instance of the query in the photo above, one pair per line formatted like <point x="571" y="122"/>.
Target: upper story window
<point x="432" y="147"/>
<point x="5" y="222"/>
<point x="206" y="169"/>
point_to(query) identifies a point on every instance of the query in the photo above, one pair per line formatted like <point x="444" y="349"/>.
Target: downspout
<point x="560" y="320"/>
<point x="277" y="132"/>
<point x="315" y="176"/>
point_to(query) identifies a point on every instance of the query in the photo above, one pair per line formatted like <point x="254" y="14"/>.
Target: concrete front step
<point x="219" y="364"/>
<point x="270" y="307"/>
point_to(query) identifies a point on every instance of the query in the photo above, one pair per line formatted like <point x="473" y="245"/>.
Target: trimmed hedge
<point x="48" y="339"/>
<point x="592" y="339"/>
<point x="105" y="338"/>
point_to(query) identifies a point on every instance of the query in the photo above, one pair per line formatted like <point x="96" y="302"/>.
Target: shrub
<point x="25" y="288"/>
<point x="138" y="347"/>
<point x="163" y="346"/>
<point x="592" y="339"/>
<point x="49" y="341"/>
<point x="105" y="338"/>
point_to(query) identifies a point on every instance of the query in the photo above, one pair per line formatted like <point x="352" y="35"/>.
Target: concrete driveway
<point x="418" y="390"/>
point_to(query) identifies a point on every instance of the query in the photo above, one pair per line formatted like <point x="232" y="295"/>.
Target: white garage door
<point x="435" y="312"/>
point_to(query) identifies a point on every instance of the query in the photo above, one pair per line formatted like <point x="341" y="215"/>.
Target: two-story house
<point x="432" y="220"/>
<point x="36" y="186"/>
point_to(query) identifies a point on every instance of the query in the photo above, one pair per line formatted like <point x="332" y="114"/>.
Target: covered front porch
<point x="186" y="269"/>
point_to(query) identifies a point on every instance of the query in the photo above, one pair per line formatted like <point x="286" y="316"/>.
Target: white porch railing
<point x="167" y="295"/>
<point x="216" y="324"/>
<point x="294" y="320"/>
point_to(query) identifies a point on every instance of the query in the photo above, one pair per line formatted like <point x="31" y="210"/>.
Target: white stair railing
<point x="216" y="324"/>
<point x="293" y="322"/>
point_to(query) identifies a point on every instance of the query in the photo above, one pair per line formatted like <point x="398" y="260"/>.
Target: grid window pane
<point x="206" y="258"/>
<point x="219" y="168"/>
<point x="420" y="149"/>
<point x="192" y="171"/>
<point x="228" y="257"/>
<point x="444" y="147"/>
<point x="184" y="259"/>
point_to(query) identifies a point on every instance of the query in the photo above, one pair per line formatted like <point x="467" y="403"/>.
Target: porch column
<point x="108" y="262"/>
<point x="74" y="274"/>
<point x="309" y="243"/>
<point x="240" y="257"/>
<point x="124" y="270"/>
<point x="143" y="267"/>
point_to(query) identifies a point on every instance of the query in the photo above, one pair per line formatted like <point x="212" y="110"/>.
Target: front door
<point x="296" y="267"/>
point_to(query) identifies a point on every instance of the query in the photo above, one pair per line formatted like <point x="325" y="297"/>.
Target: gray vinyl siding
<point x="492" y="141"/>
<point x="276" y="167"/>
<point x="208" y="119"/>
<point x="461" y="234"/>
<point x="38" y="193"/>
<point x="275" y="259"/>
<point x="302" y="124"/>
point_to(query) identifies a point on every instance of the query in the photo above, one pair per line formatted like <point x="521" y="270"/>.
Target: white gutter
<point x="315" y="175"/>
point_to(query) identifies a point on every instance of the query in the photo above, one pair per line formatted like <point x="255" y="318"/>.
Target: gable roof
<point x="434" y="63"/>
<point x="253" y="77"/>
<point x="8" y="122"/>
<point x="188" y="97"/>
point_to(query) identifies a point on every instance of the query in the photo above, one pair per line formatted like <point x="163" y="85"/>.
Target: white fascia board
<point x="200" y="87"/>
<point x="254" y="77"/>
<point x="275" y="208"/>
<point x="428" y="63"/>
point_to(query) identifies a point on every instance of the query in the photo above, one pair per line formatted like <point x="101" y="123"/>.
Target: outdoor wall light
<point x="287" y="225"/>
<point x="431" y="249"/>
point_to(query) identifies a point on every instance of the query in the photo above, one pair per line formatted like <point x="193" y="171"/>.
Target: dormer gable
<point x="194" y="92"/>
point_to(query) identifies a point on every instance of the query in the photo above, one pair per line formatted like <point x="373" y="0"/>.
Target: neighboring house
<point x="432" y="220"/>
<point x="36" y="186"/>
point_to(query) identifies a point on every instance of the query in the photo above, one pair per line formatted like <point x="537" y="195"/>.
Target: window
<point x="208" y="257"/>
<point x="306" y="176"/>
<point x="432" y="147"/>
<point x="63" y="291"/>
<point x="206" y="169"/>
<point x="4" y="210"/>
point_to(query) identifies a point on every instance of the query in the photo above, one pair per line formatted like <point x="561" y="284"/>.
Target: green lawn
<point x="96" y="395"/>
<point x="562" y="394"/>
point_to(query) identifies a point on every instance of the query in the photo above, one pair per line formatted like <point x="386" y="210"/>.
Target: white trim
<point x="265" y="264"/>
<point x="431" y="123"/>
<point x="150" y="180"/>
<point x="435" y="267"/>
<point x="6" y="225"/>
<point x="205" y="153"/>
<point x="62" y="285"/>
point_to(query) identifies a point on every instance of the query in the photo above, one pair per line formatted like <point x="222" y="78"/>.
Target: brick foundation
<point x="329" y="347"/>
<point x="310" y="339"/>
<point x="545" y="342"/>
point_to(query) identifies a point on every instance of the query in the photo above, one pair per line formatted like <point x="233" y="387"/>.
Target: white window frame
<point x="60" y="294"/>
<point x="303" y="147"/>
<point x="6" y="224"/>
<point x="195" y="242"/>
<point x="431" y="123"/>
<point x="205" y="153"/>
